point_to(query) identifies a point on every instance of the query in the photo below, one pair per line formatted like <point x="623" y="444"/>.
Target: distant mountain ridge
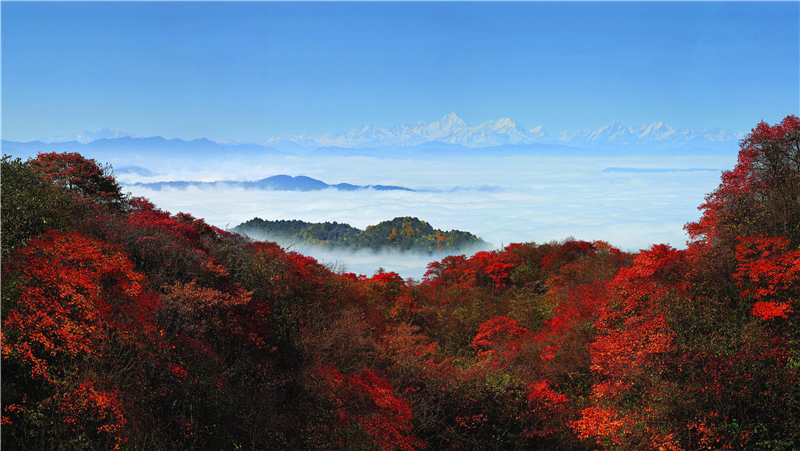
<point x="449" y="130"/>
<point x="87" y="136"/>
<point x="154" y="147"/>
<point x="275" y="183"/>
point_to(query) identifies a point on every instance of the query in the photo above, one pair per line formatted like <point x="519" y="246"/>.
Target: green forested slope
<point x="405" y="234"/>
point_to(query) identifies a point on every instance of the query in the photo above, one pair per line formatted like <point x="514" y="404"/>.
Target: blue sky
<point x="253" y="70"/>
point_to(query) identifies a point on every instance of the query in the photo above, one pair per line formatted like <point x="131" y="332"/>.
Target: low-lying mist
<point x="502" y="200"/>
<point x="409" y="265"/>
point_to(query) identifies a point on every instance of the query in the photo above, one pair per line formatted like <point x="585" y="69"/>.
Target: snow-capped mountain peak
<point x="504" y="125"/>
<point x="87" y="136"/>
<point x="452" y="121"/>
<point x="451" y="129"/>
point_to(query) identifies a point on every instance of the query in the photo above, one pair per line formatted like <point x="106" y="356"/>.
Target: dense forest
<point x="403" y="234"/>
<point x="126" y="327"/>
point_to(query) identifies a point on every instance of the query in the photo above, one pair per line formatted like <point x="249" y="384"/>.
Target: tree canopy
<point x="127" y="327"/>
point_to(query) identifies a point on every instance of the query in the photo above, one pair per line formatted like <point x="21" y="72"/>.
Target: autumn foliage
<point x="128" y="327"/>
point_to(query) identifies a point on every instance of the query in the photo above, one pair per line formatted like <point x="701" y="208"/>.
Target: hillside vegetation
<point x="403" y="234"/>
<point x="126" y="327"/>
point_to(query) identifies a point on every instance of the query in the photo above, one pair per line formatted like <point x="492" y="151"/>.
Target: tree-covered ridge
<point x="403" y="233"/>
<point x="126" y="327"/>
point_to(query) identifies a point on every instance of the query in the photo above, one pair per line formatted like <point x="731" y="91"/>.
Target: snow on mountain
<point x="451" y="129"/>
<point x="446" y="130"/>
<point x="542" y="135"/>
<point x="87" y="136"/>
<point x="494" y="133"/>
<point x="615" y="133"/>
<point x="657" y="131"/>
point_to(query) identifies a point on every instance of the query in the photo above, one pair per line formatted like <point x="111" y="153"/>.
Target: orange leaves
<point x="656" y="274"/>
<point x="622" y="356"/>
<point x="598" y="423"/>
<point x="704" y="430"/>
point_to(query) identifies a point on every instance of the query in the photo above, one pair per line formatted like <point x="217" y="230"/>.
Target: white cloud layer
<point x="532" y="198"/>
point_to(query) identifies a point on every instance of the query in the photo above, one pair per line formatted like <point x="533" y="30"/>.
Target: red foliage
<point x="626" y="356"/>
<point x="582" y="305"/>
<point x="367" y="402"/>
<point x="764" y="184"/>
<point x="79" y="175"/>
<point x="568" y="252"/>
<point x="76" y="296"/>
<point x="482" y="269"/>
<point x="85" y="401"/>
<point x="770" y="273"/>
<point x="74" y="291"/>
<point x="451" y="270"/>
<point x="501" y="335"/>
<point x="657" y="354"/>
<point x="771" y="310"/>
<point x="165" y="248"/>
<point x="545" y="403"/>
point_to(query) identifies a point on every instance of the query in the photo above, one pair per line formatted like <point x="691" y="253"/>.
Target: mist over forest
<point x="400" y="226"/>
<point x="126" y="326"/>
<point x="630" y="195"/>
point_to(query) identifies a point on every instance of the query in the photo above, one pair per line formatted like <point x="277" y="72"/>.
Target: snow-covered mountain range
<point x="451" y="129"/>
<point x="87" y="136"/>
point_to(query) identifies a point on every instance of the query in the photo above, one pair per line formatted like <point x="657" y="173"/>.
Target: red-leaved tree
<point x="75" y="299"/>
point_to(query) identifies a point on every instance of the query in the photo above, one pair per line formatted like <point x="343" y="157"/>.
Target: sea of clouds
<point x="632" y="202"/>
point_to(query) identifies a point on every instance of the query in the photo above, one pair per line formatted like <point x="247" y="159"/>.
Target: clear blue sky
<point x="253" y="70"/>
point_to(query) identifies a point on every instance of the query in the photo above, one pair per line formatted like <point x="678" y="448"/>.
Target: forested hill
<point x="402" y="233"/>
